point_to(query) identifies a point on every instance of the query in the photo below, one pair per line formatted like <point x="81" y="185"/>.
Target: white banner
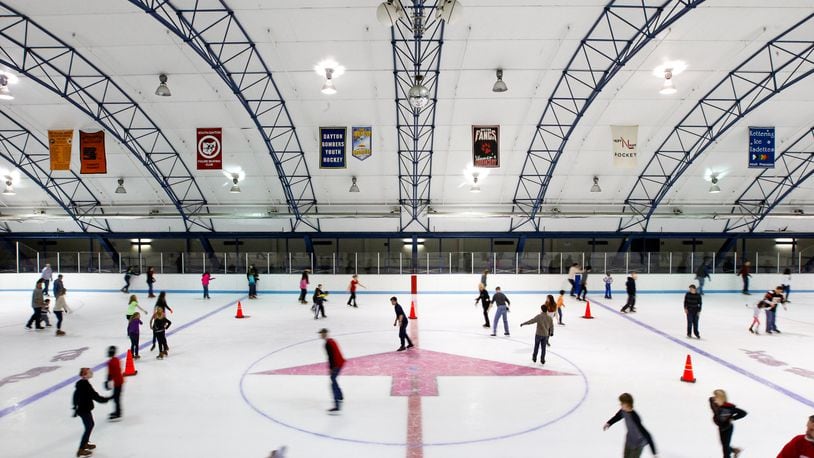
<point x="624" y="146"/>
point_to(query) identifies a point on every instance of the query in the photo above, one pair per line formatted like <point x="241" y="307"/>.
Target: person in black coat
<point x="485" y="302"/>
<point x="723" y="414"/>
<point x="630" y="287"/>
<point x="637" y="436"/>
<point x="83" y="397"/>
<point x="692" y="308"/>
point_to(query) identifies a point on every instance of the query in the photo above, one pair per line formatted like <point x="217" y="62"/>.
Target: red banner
<point x="92" y="152"/>
<point x="210" y="148"/>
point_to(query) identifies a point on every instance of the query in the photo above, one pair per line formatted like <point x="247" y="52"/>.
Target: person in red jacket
<point x="335" y="363"/>
<point x="114" y="374"/>
<point x="801" y="446"/>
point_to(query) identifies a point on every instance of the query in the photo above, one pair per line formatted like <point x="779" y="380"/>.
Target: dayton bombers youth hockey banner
<point x="332" y="141"/>
<point x="210" y="148"/>
<point x="625" y="149"/>
<point x="59" y="146"/>
<point x="92" y="152"/>
<point x="362" y="139"/>
<point x="486" y="146"/>
<point x="761" y="147"/>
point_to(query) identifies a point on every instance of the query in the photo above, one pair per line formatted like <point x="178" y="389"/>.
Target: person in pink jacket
<point x="205" y="279"/>
<point x="304" y="286"/>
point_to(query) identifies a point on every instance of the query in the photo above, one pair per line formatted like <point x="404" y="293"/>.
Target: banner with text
<point x="362" y="139"/>
<point x="625" y="150"/>
<point x="486" y="146"/>
<point x="92" y="152"/>
<point x="59" y="146"/>
<point x="210" y="148"/>
<point x="332" y="141"/>
<point x="761" y="147"/>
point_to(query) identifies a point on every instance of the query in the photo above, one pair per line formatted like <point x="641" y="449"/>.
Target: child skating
<point x="132" y="306"/>
<point x="354" y="283"/>
<point x="133" y="333"/>
<point x="608" y="281"/>
<point x="637" y="436"/>
<point x="59" y="308"/>
<point x="159" y="325"/>
<point x="83" y="398"/>
<point x="754" y="328"/>
<point x="205" y="279"/>
<point x="560" y="306"/>
<point x="319" y="298"/>
<point x="723" y="414"/>
<point x="114" y="376"/>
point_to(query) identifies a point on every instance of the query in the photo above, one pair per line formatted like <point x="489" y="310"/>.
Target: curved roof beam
<point x="31" y="155"/>
<point x="620" y="32"/>
<point x="767" y="190"/>
<point x="30" y="50"/>
<point x="417" y="40"/>
<point x="778" y="65"/>
<point x="213" y="31"/>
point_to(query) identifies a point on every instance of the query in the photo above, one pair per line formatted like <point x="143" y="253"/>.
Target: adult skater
<point x="60" y="307"/>
<point x="253" y="276"/>
<point x="770" y="301"/>
<point x="304" y="280"/>
<point x="205" y="279"/>
<point x="114" y="376"/>
<point x="630" y="288"/>
<point x="483" y="277"/>
<point x="83" y="397"/>
<point x="485" y="302"/>
<point x="46" y="276"/>
<point x="692" y="308"/>
<point x="544" y="327"/>
<point x="637" y="436"/>
<point x="354" y="283"/>
<point x="319" y="299"/>
<point x="58" y="285"/>
<point x="583" y="284"/>
<point x="335" y="363"/>
<point x="401" y="322"/>
<point x="745" y="274"/>
<point x="150" y="281"/>
<point x="572" y="275"/>
<point x="785" y="282"/>
<point x="702" y="274"/>
<point x="502" y="303"/>
<point x="801" y="446"/>
<point x="127" y="276"/>
<point x="723" y="414"/>
<point x="37" y="303"/>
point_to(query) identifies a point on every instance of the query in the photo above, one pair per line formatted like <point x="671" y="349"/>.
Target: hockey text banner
<point x="92" y="152"/>
<point x="210" y="148"/>
<point x="362" y="141"/>
<point x="486" y="146"/>
<point x="761" y="147"/>
<point x="625" y="150"/>
<point x="332" y="141"/>
<point x="59" y="146"/>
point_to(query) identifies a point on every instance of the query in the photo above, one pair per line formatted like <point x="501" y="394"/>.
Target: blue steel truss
<point x="792" y="167"/>
<point x="779" y="64"/>
<point x="30" y="155"/>
<point x="213" y="31"/>
<point x="30" y="50"/>
<point x="417" y="41"/>
<point x="620" y="32"/>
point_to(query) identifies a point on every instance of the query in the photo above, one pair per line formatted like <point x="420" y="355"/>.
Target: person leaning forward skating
<point x="335" y="363"/>
<point x="637" y="436"/>
<point x="401" y="322"/>
<point x="544" y="326"/>
<point x="502" y="303"/>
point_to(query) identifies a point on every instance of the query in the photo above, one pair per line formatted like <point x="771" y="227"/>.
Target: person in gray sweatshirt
<point x="544" y="326"/>
<point x="637" y="436"/>
<point x="502" y="303"/>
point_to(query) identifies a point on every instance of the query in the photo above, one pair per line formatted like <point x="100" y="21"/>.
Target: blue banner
<point x="761" y="147"/>
<point x="332" y="142"/>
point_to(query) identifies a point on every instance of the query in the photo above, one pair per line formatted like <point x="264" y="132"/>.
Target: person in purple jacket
<point x="133" y="333"/>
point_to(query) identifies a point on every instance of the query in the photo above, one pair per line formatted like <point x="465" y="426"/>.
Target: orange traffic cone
<point x="587" y="310"/>
<point x="412" y="310"/>
<point x="129" y="366"/>
<point x="688" y="375"/>
<point x="240" y="311"/>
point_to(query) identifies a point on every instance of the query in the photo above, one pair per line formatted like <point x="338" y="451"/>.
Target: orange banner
<point x="92" y="152"/>
<point x="59" y="145"/>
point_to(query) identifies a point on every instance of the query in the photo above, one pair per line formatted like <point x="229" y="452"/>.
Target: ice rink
<point x="240" y="388"/>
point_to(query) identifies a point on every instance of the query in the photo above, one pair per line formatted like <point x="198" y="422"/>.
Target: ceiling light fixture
<point x="7" y="78"/>
<point x="235" y="188"/>
<point x="475" y="186"/>
<point x="449" y="11"/>
<point x="328" y="88"/>
<point x="9" y="191"/>
<point x="714" y="189"/>
<point x="120" y="189"/>
<point x="162" y="90"/>
<point x="389" y="13"/>
<point x="595" y="187"/>
<point x="668" y="88"/>
<point x="499" y="85"/>
<point x="353" y="186"/>
<point x="418" y="95"/>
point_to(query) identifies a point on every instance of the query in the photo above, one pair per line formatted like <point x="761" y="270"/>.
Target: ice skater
<point x="133" y="332"/>
<point x="83" y="397"/>
<point x="583" y="284"/>
<point x="630" y="289"/>
<point x="485" y="302"/>
<point x="37" y="303"/>
<point x="702" y="274"/>
<point x="60" y="307"/>
<point x="770" y="301"/>
<point x="785" y="282"/>
<point x="745" y="275"/>
<point x="150" y="281"/>
<point x="545" y="327"/>
<point x="252" y="279"/>
<point x="46" y="275"/>
<point x="551" y="309"/>
<point x="59" y="285"/>
<point x="637" y="436"/>
<point x="319" y="299"/>
<point x="754" y="328"/>
<point x="132" y="306"/>
<point x="692" y="308"/>
<point x="159" y="324"/>
<point x="483" y="277"/>
<point x="560" y="306"/>
<point x="354" y="283"/>
<point x="335" y="363"/>
<point x="114" y="376"/>
<point x="502" y="303"/>
<point x="608" y="281"/>
<point x="127" y="276"/>
<point x="205" y="279"/>
<point x="572" y="275"/>
<point x="723" y="414"/>
<point x="401" y="322"/>
<point x="304" y="280"/>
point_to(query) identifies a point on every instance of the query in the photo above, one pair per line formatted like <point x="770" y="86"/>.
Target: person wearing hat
<point x="335" y="363"/>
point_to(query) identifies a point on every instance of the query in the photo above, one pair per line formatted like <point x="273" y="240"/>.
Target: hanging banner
<point x="625" y="150"/>
<point x="486" y="146"/>
<point x="761" y="147"/>
<point x="59" y="145"/>
<point x="92" y="152"/>
<point x="362" y="141"/>
<point x="210" y="148"/>
<point x="332" y="142"/>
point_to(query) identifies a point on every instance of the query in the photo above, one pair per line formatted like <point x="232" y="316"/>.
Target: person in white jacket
<point x="46" y="276"/>
<point x="59" y="308"/>
<point x="785" y="282"/>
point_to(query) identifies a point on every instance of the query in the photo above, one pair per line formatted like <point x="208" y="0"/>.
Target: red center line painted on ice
<point x="415" y="423"/>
